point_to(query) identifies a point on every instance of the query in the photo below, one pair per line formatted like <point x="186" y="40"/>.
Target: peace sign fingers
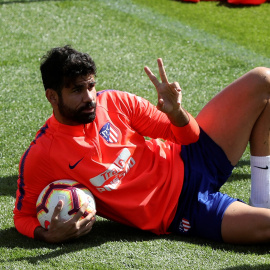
<point x="162" y="74"/>
<point x="169" y="94"/>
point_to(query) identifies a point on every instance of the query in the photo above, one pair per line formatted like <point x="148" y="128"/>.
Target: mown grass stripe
<point x="193" y="35"/>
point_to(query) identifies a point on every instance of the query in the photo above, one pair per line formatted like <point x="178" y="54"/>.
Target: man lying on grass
<point x="162" y="187"/>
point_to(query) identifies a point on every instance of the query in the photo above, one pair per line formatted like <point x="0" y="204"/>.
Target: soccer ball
<point x="73" y="195"/>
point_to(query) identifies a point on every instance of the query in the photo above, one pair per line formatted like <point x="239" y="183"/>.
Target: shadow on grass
<point x="243" y="163"/>
<point x="106" y="231"/>
<point x="240" y="176"/>
<point x="8" y="185"/>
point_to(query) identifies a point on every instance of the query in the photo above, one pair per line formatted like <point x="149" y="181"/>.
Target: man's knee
<point x="262" y="76"/>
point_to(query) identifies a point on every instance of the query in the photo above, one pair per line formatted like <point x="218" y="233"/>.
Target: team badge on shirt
<point x="109" y="133"/>
<point x="184" y="225"/>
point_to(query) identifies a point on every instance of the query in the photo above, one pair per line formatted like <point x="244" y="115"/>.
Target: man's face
<point x="77" y="102"/>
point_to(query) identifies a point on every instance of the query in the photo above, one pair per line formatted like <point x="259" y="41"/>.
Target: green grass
<point x="205" y="46"/>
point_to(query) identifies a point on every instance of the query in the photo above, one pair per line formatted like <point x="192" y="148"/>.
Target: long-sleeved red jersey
<point x="135" y="181"/>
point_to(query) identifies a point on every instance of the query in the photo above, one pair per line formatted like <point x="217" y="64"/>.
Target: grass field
<point x="205" y="46"/>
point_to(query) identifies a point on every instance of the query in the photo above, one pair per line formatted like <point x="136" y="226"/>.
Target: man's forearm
<point x="178" y="118"/>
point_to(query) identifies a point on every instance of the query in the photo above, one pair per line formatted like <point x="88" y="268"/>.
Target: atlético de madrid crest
<point x="184" y="225"/>
<point x="109" y="132"/>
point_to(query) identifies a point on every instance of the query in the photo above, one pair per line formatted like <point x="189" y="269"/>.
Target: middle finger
<point x="162" y="71"/>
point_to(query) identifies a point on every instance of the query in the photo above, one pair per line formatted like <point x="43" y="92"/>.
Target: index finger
<point x="57" y="210"/>
<point x="162" y="71"/>
<point x="151" y="76"/>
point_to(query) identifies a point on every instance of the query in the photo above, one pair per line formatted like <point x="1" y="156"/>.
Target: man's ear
<point x="52" y="96"/>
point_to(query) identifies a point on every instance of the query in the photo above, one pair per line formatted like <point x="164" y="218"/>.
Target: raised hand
<point x="169" y="96"/>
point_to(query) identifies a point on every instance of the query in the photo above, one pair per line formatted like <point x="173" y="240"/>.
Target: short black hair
<point x="62" y="65"/>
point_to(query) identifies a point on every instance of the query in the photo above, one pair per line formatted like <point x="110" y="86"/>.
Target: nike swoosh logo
<point x="263" y="168"/>
<point x="74" y="165"/>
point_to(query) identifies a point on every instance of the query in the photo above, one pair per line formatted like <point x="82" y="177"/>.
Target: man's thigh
<point x="245" y="224"/>
<point x="230" y="116"/>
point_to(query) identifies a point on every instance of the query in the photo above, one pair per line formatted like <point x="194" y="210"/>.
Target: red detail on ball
<point x="47" y="224"/>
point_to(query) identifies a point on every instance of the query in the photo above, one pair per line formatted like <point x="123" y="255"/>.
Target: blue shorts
<point x="201" y="206"/>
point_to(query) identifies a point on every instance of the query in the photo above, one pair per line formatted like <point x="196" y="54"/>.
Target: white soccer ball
<point x="73" y="195"/>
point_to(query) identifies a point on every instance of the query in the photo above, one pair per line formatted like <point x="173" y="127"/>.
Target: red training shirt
<point x="135" y="181"/>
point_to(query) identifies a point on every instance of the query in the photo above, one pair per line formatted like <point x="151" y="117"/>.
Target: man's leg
<point x="237" y="115"/>
<point x="244" y="224"/>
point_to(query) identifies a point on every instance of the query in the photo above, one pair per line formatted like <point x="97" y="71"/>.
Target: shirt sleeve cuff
<point x="27" y="226"/>
<point x="187" y="134"/>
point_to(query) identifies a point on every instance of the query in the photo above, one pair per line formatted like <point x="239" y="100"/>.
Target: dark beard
<point x="77" y="116"/>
